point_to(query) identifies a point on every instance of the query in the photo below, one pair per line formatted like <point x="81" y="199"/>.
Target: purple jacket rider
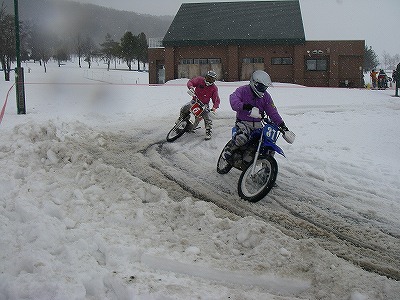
<point x="245" y="95"/>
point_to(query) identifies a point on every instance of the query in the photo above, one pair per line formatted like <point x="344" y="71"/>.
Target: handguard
<point x="289" y="136"/>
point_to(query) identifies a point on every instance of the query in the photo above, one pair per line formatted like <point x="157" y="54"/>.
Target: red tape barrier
<point x="5" y="104"/>
<point x="133" y="84"/>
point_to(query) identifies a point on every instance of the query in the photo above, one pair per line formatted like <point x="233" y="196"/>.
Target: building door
<point x="350" y="71"/>
<point x="160" y="72"/>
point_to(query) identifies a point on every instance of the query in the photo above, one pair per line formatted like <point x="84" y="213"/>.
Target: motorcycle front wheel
<point x="178" y="130"/>
<point x="253" y="186"/>
<point x="223" y="166"/>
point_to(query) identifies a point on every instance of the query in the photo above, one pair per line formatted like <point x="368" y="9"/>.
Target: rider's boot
<point x="229" y="149"/>
<point x="208" y="134"/>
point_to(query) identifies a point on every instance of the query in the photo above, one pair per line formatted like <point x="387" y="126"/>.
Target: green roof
<point x="247" y="22"/>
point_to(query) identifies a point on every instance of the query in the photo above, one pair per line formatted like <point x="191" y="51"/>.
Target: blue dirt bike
<point x="256" y="161"/>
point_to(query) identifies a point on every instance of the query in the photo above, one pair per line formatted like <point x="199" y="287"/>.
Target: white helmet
<point x="259" y="82"/>
<point x="210" y="77"/>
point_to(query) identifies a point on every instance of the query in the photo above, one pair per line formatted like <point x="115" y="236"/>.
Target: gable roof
<point x="247" y="22"/>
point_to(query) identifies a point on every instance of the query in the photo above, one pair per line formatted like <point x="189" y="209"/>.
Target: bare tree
<point x="390" y="62"/>
<point x="41" y="46"/>
<point x="79" y="48"/>
<point x="109" y="50"/>
<point x="7" y="42"/>
<point x="89" y="50"/>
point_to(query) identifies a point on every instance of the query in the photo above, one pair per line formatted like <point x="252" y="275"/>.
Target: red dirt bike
<point x="189" y="122"/>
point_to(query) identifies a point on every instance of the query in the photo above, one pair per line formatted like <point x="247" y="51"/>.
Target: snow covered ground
<point x="94" y="204"/>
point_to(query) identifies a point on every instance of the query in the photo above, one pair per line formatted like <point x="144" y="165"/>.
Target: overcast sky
<point x="375" y="21"/>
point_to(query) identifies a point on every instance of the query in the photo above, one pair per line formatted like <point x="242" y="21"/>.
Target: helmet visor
<point x="209" y="79"/>
<point x="260" y="87"/>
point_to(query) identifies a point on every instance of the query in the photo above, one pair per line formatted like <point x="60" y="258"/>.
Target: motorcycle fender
<point x="193" y="117"/>
<point x="275" y="148"/>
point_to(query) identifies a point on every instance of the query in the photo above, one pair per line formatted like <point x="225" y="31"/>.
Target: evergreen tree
<point x="142" y="49"/>
<point x="129" y="48"/>
<point x="370" y="59"/>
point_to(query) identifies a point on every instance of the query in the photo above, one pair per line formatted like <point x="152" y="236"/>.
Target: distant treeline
<point x="58" y="30"/>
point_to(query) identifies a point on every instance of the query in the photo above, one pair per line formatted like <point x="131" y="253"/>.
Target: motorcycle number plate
<point x="271" y="132"/>
<point x="196" y="109"/>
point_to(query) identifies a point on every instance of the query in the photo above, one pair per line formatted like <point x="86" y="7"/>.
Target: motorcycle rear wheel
<point x="254" y="187"/>
<point x="178" y="130"/>
<point x="223" y="166"/>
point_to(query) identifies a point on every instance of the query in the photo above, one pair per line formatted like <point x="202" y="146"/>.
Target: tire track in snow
<point x="296" y="212"/>
<point x="298" y="219"/>
<point x="293" y="208"/>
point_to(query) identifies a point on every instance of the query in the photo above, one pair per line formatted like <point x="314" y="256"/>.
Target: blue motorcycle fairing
<point x="255" y="134"/>
<point x="274" y="147"/>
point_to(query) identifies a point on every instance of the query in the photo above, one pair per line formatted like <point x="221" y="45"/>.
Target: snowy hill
<point x="67" y="19"/>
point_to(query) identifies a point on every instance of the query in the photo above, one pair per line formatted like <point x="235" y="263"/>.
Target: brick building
<point x="236" y="38"/>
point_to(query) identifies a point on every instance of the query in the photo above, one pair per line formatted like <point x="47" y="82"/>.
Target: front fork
<point x="253" y="167"/>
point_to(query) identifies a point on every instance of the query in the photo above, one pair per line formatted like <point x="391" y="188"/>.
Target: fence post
<point x="19" y="72"/>
<point x="397" y="80"/>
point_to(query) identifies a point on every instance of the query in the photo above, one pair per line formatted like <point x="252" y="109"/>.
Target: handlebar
<point x="194" y="97"/>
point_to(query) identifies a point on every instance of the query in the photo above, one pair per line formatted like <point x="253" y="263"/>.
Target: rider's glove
<point x="191" y="91"/>
<point x="247" y="106"/>
<point x="283" y="127"/>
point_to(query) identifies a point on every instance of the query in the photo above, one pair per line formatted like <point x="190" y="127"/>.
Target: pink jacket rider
<point x="245" y="95"/>
<point x="204" y="92"/>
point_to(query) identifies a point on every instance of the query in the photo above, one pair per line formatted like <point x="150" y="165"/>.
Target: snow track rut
<point x="299" y="207"/>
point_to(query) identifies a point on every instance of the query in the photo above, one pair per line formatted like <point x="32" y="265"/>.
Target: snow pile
<point x="77" y="224"/>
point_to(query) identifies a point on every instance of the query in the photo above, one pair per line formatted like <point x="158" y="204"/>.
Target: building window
<point x="214" y="61"/>
<point x="317" y="64"/>
<point x="253" y="60"/>
<point x="186" y="61"/>
<point x="200" y="61"/>
<point x="281" y="61"/>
